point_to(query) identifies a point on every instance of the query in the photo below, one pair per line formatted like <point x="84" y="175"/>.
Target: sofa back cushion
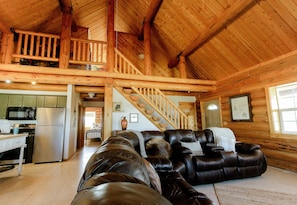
<point x="176" y="136"/>
<point x="152" y="134"/>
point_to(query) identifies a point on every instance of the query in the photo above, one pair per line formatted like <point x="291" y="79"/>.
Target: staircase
<point x="151" y="102"/>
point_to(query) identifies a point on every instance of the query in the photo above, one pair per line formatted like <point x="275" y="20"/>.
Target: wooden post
<point x="65" y="38"/>
<point x="110" y="36"/>
<point x="7" y="46"/>
<point x="182" y="67"/>
<point x="108" y="93"/>
<point x="147" y="49"/>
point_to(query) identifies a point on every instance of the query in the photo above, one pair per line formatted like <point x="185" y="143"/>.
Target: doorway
<point x="189" y="108"/>
<point x="211" y="113"/>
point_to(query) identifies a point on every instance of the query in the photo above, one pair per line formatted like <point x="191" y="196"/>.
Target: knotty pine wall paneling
<point x="280" y="151"/>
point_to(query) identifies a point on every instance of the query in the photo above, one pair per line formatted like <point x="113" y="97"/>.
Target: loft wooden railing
<point x="153" y="96"/>
<point x="164" y="106"/>
<point x="46" y="47"/>
<point x="36" y="46"/>
<point x="123" y="65"/>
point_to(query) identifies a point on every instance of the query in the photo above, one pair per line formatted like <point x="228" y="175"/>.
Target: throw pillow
<point x="195" y="148"/>
<point x="158" y="147"/>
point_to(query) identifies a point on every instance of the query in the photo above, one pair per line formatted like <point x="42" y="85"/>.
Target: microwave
<point x="21" y="113"/>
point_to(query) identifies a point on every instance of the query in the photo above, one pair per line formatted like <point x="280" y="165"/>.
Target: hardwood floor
<point x="47" y="183"/>
<point x="56" y="183"/>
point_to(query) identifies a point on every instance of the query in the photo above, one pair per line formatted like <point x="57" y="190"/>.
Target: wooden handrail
<point x="153" y="96"/>
<point x="164" y="106"/>
<point x="123" y="65"/>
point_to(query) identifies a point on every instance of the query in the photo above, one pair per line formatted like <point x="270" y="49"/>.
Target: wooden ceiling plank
<point x="232" y="13"/>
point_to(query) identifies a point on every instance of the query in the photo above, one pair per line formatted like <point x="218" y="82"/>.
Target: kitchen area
<point x="43" y="124"/>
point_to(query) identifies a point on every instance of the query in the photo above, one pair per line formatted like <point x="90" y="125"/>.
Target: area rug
<point x="232" y="195"/>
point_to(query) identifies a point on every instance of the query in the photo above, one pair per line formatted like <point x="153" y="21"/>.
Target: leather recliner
<point x="215" y="164"/>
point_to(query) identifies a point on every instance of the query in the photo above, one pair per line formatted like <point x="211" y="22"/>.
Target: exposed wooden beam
<point x="150" y="16"/>
<point x="29" y="86"/>
<point x="231" y="14"/>
<point x="86" y="89"/>
<point x="19" y="73"/>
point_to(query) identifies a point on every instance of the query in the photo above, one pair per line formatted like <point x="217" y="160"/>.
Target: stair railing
<point x="153" y="96"/>
<point x="164" y="106"/>
<point x="123" y="65"/>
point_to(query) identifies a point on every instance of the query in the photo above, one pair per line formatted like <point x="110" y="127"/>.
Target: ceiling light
<point x="8" y="81"/>
<point x="141" y="56"/>
<point x="33" y="83"/>
<point x="91" y="95"/>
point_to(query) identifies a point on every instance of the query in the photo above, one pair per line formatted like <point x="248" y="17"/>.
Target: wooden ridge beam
<point x="150" y="16"/>
<point x="231" y="14"/>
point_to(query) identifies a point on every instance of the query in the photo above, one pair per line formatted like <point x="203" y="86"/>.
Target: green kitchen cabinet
<point x="61" y="101"/>
<point x="40" y="101"/>
<point x="15" y="101"/>
<point x="50" y="101"/>
<point x="29" y="101"/>
<point x="3" y="105"/>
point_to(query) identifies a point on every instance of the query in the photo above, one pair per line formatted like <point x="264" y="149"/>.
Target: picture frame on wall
<point x="133" y="117"/>
<point x="117" y="107"/>
<point x="241" y="109"/>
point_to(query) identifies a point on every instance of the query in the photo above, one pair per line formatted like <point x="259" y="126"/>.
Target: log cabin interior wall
<point x="280" y="152"/>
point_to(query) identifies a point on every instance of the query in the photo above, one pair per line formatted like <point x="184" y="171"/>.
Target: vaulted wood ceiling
<point x="219" y="37"/>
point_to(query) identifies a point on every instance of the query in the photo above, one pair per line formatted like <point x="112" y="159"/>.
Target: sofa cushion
<point x="195" y="148"/>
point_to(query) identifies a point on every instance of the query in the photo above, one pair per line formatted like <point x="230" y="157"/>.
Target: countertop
<point x="6" y="136"/>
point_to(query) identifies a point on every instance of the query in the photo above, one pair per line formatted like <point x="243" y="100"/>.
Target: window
<point x="90" y="119"/>
<point x="283" y="103"/>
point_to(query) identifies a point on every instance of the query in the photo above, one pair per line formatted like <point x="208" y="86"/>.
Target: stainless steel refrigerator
<point x="49" y="135"/>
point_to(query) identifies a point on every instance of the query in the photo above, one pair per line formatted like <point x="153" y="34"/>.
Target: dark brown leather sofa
<point x="117" y="174"/>
<point x="214" y="165"/>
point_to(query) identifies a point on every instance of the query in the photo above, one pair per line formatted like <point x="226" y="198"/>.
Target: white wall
<point x="127" y="108"/>
<point x="143" y="123"/>
<point x="71" y="123"/>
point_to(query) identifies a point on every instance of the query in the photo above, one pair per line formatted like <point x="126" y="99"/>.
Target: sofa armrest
<point x="178" y="149"/>
<point x="246" y="147"/>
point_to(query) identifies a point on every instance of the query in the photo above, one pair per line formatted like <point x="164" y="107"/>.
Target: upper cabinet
<point x="11" y="100"/>
<point x="3" y="105"/>
<point x="21" y="101"/>
<point x="51" y="101"/>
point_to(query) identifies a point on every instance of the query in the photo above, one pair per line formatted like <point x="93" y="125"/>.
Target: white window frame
<point x="276" y="117"/>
